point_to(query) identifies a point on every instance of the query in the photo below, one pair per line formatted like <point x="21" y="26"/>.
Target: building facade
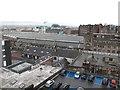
<point x="0" y="49"/>
<point x="100" y="38"/>
<point x="6" y="53"/>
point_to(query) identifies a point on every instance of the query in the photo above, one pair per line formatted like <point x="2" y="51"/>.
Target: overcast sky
<point x="73" y="12"/>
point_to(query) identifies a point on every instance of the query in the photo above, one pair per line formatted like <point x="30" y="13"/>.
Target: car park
<point x="77" y="75"/>
<point x="64" y="87"/>
<point x="105" y="81"/>
<point x="49" y="83"/>
<point x="91" y="78"/>
<point x="113" y="83"/>
<point x="56" y="85"/>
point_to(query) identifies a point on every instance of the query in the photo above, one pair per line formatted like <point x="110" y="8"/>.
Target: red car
<point x="113" y="83"/>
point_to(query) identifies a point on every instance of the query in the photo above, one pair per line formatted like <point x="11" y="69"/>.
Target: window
<point x="114" y="47"/>
<point x="108" y="51"/>
<point x="42" y="51"/>
<point x="99" y="50"/>
<point x="4" y="55"/>
<point x="102" y="36"/>
<point x="94" y="36"/>
<point x="28" y="56"/>
<point x="36" y="57"/>
<point x="111" y="59"/>
<point x="27" y="49"/>
<point x="97" y="35"/>
<point x="113" y="51"/>
<point x="3" y="47"/>
<point x="109" y="46"/>
<point x="3" y="52"/>
<point x="103" y="50"/>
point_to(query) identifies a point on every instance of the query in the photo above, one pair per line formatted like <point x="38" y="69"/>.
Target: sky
<point x="72" y="12"/>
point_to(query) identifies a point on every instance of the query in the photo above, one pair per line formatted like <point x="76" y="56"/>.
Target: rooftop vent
<point x="42" y="51"/>
<point x="34" y="50"/>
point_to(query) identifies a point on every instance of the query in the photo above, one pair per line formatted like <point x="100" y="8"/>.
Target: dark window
<point x="108" y="51"/>
<point x="113" y="51"/>
<point x="111" y="59"/>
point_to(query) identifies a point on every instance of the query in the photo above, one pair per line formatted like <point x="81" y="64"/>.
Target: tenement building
<point x="101" y="38"/>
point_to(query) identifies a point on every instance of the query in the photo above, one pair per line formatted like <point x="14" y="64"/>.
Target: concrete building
<point x="35" y="77"/>
<point x="6" y="53"/>
<point x="0" y="49"/>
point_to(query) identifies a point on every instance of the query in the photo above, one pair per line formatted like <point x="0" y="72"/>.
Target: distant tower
<point x="79" y="31"/>
<point x="6" y="53"/>
<point x="44" y="29"/>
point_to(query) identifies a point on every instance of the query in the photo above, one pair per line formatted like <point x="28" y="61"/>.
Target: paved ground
<point x="74" y="83"/>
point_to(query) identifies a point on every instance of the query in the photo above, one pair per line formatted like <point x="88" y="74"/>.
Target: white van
<point x="49" y="83"/>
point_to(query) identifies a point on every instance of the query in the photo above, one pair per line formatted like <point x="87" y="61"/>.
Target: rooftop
<point x="47" y="51"/>
<point x="46" y="36"/>
<point x="99" y="59"/>
<point x="20" y="67"/>
<point x="34" y="76"/>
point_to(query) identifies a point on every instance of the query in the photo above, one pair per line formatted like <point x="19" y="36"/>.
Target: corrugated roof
<point x="46" y="36"/>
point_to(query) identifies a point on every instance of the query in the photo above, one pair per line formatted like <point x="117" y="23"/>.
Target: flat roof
<point x="5" y="73"/>
<point x="46" y="36"/>
<point x="35" y="76"/>
<point x="20" y="67"/>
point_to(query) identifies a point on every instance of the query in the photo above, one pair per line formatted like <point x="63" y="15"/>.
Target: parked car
<point x="91" y="78"/>
<point x="49" y="83"/>
<point x="64" y="87"/>
<point x="119" y="83"/>
<point x="105" y="81"/>
<point x="80" y="88"/>
<point x="63" y="72"/>
<point x="77" y="75"/>
<point x="56" y="85"/>
<point x="113" y="83"/>
<point x="83" y="76"/>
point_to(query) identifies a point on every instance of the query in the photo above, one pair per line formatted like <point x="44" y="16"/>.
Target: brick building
<point x="101" y="38"/>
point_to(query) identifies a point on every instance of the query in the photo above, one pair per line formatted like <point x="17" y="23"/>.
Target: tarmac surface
<point x="75" y="83"/>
